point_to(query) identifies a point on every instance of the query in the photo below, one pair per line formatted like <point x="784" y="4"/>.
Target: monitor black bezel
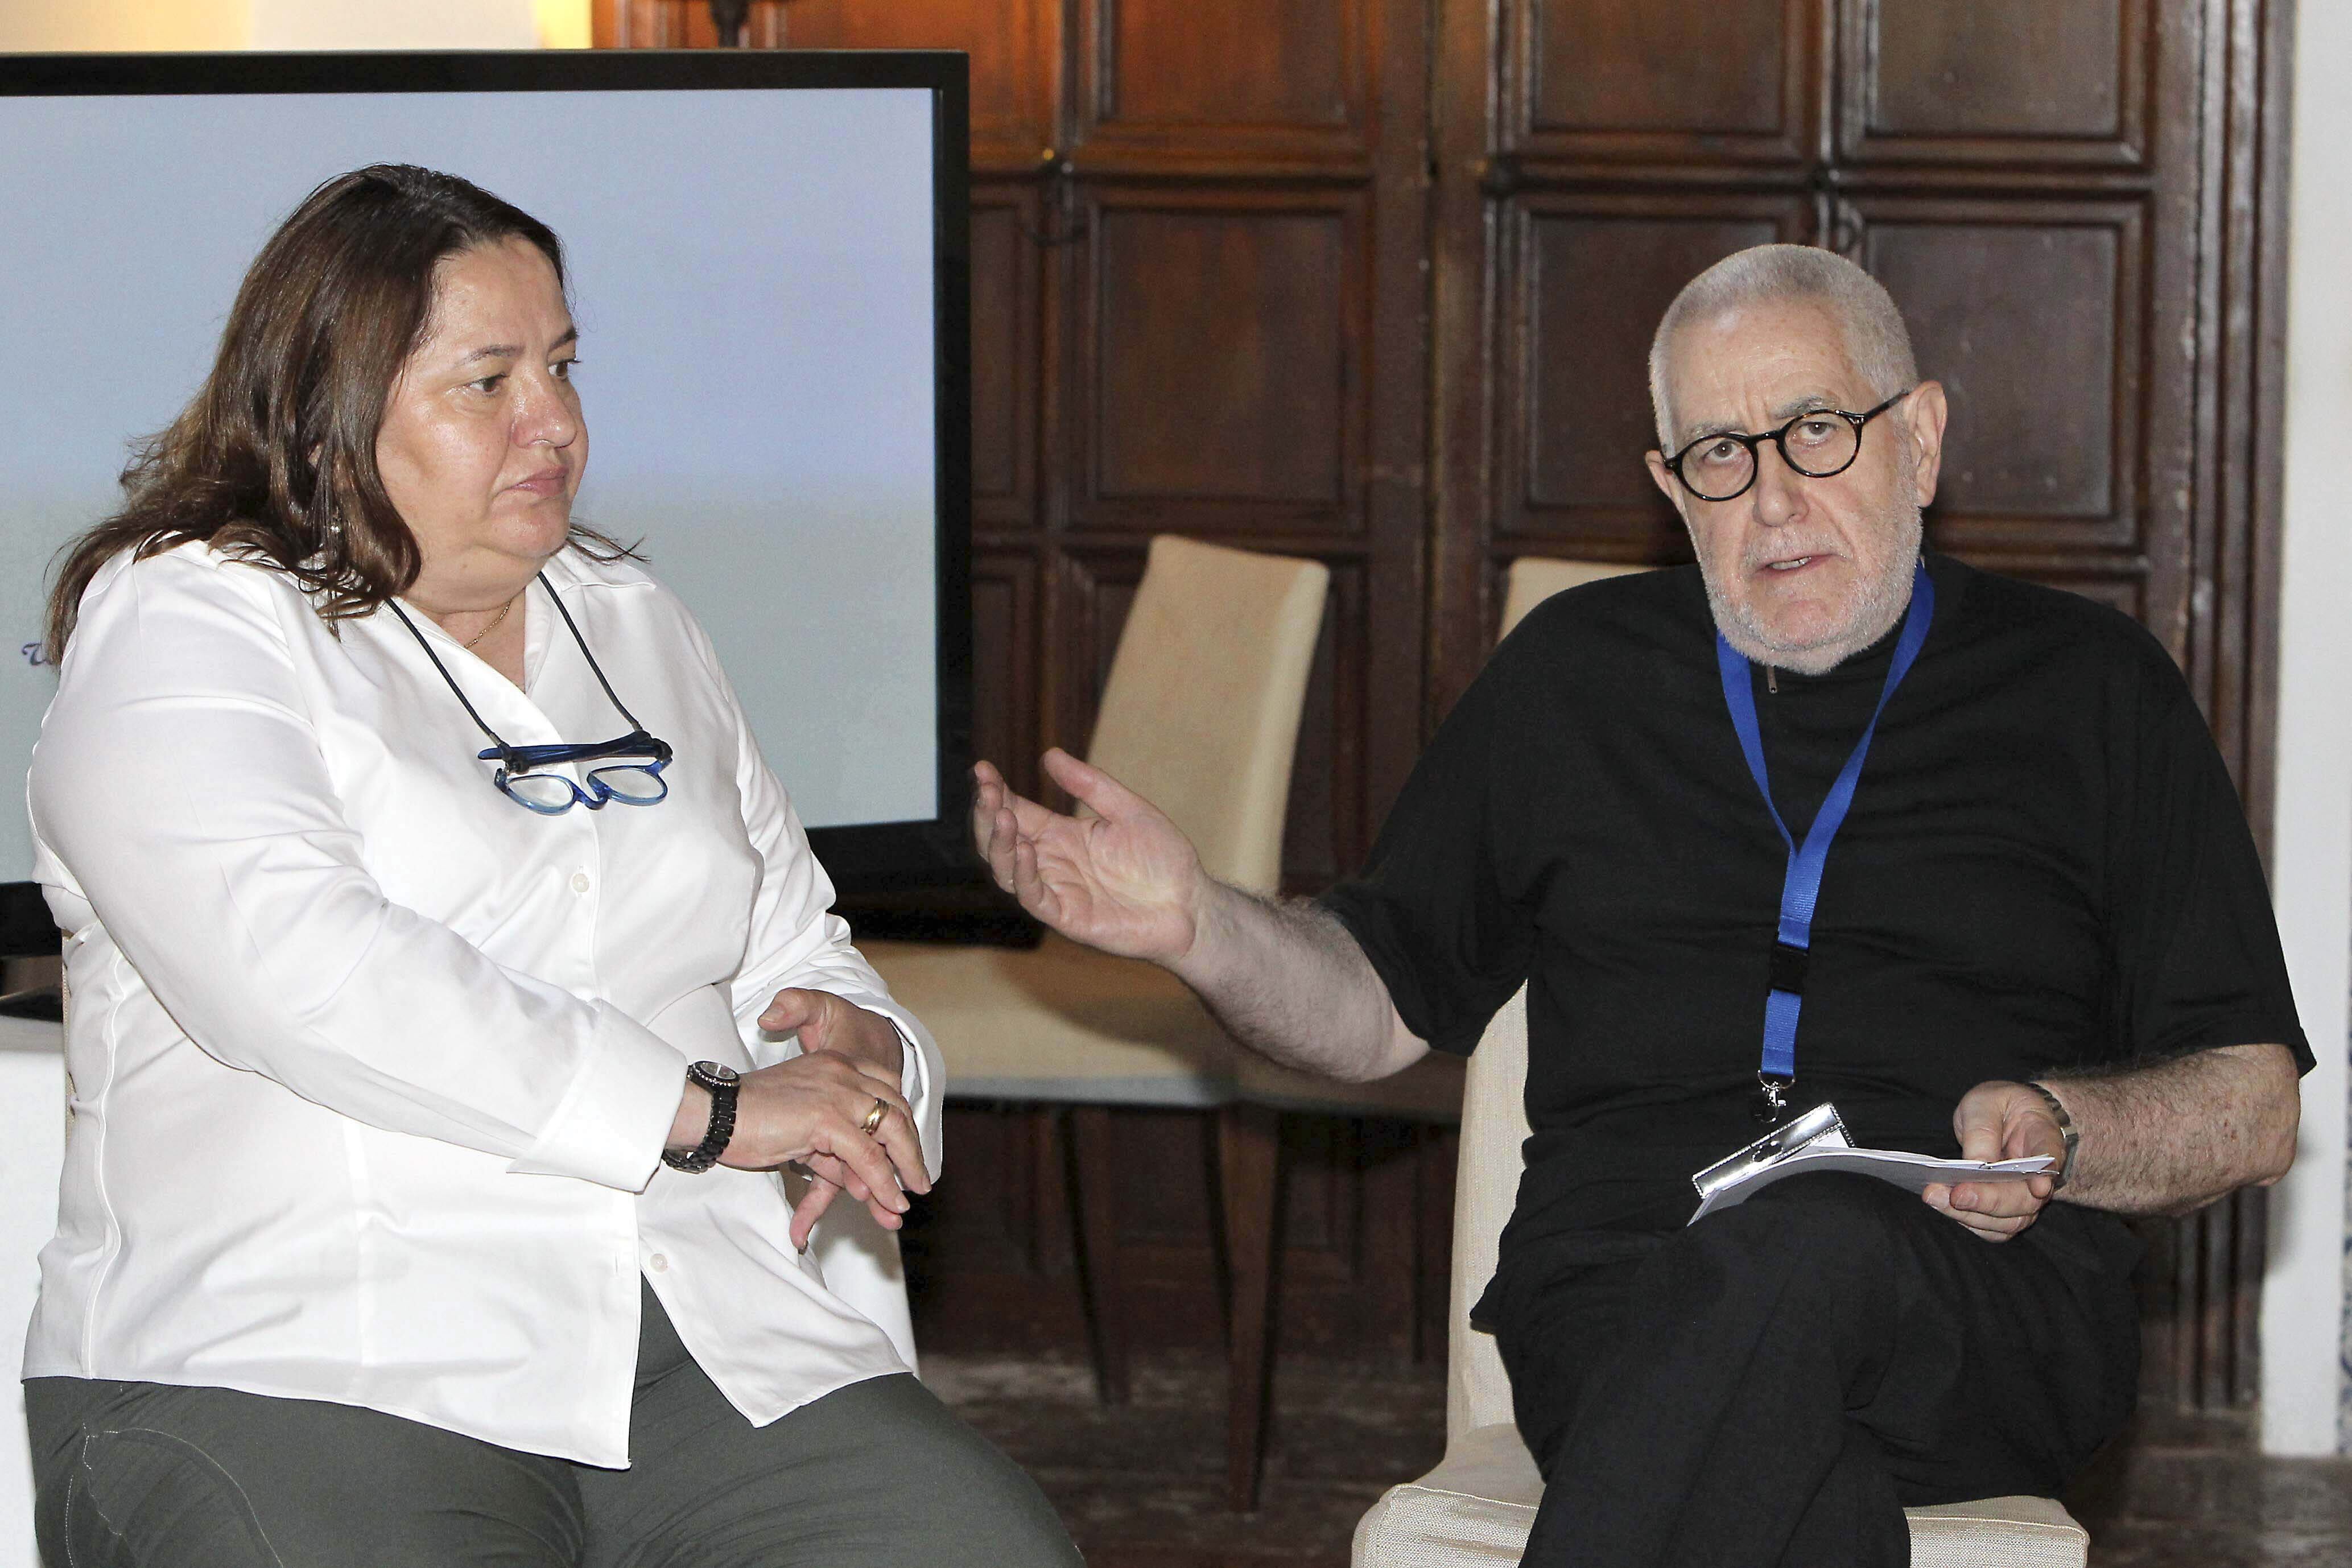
<point x="860" y="857"/>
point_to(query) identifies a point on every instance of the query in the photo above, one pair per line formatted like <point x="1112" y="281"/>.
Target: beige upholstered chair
<point x="1535" y="578"/>
<point x="1201" y="717"/>
<point x="1477" y="1506"/>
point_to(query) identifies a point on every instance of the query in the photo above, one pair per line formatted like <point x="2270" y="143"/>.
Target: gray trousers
<point x="876" y="1475"/>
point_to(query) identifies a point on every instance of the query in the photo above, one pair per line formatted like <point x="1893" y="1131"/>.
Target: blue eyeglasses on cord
<point x="635" y="783"/>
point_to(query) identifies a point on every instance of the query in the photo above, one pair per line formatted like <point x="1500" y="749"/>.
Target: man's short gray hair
<point x="1875" y="338"/>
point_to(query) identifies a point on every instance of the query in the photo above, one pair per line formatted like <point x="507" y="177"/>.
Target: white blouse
<point x="371" y="1067"/>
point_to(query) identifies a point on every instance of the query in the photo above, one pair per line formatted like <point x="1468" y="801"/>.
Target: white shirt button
<point x="579" y="881"/>
<point x="658" y="1263"/>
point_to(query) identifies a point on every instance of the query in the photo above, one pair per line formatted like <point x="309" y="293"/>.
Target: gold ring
<point x="874" y="1116"/>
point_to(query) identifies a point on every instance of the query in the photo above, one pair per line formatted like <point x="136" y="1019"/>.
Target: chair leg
<point x="1093" y="1162"/>
<point x="1392" y="1257"/>
<point x="1249" y="1140"/>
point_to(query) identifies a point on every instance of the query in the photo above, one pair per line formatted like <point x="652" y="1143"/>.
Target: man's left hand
<point x="2000" y="1121"/>
<point x="824" y="1022"/>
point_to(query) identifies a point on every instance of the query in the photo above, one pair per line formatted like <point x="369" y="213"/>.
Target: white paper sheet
<point x="1914" y="1172"/>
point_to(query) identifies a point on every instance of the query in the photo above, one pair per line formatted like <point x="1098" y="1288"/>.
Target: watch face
<point x="722" y="1074"/>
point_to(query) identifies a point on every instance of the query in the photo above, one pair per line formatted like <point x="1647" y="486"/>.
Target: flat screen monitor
<point x="767" y="258"/>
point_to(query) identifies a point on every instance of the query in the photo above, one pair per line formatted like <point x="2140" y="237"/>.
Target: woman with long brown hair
<point x="433" y="1055"/>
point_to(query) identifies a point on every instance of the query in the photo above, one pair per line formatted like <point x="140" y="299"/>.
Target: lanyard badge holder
<point x="1820" y="1128"/>
<point x="1800" y="890"/>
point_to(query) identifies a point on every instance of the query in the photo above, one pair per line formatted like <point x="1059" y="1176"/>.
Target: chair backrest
<point x="1201" y="713"/>
<point x="1494" y="1114"/>
<point x="1535" y="578"/>
<point x="1485" y="1185"/>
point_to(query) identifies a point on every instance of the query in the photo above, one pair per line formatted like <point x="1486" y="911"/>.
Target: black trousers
<point x="1774" y="1384"/>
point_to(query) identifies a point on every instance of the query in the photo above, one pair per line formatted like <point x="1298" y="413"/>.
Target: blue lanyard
<point x="1800" y="887"/>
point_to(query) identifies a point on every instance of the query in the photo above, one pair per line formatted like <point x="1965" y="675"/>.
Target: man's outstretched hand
<point x="2000" y="1121"/>
<point x="1121" y="876"/>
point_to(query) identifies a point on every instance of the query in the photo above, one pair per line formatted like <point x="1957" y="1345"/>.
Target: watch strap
<point x="723" y="1085"/>
<point x="2068" y="1134"/>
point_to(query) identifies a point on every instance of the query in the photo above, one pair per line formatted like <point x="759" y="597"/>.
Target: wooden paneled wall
<point x="2035" y="183"/>
<point x="1373" y="280"/>
<point x="1200" y="240"/>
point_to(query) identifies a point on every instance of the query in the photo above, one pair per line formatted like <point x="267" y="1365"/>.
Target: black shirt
<point x="2045" y="867"/>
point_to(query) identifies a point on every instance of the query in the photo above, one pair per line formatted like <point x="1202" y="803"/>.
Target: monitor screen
<point x="767" y="259"/>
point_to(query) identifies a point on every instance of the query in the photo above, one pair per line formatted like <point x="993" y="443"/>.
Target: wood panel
<point x="1014" y="45"/>
<point x="1005" y="354"/>
<point x="1211" y="79"/>
<point x="1215" y="383"/>
<point x="2241" y="354"/>
<point x="1102" y="582"/>
<point x="1015" y="50"/>
<point x="2121" y="589"/>
<point x="1006" y="675"/>
<point x="1330" y="820"/>
<point x="2033" y="314"/>
<point x="1996" y="81"/>
<point x="1661" y="79"/>
<point x="1586" y="276"/>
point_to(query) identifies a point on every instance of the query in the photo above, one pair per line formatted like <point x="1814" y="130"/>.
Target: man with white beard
<point x="1819" y="821"/>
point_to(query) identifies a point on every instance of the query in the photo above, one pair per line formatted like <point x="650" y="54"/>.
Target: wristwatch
<point x="2067" y="1133"/>
<point x="724" y="1083"/>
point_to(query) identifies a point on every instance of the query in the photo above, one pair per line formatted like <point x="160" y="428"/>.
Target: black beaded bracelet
<point x="724" y="1083"/>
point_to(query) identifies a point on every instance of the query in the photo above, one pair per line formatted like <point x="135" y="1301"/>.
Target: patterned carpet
<point x="1143" y="1485"/>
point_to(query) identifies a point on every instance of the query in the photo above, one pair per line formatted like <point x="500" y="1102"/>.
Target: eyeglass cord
<point x="597" y="670"/>
<point x="497" y="739"/>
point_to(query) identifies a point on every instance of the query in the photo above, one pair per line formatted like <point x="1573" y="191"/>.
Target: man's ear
<point x="1923" y="417"/>
<point x="1662" y="477"/>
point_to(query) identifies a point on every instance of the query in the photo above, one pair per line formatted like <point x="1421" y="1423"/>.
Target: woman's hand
<point x="1122" y="877"/>
<point x="813" y="1110"/>
<point x="824" y="1022"/>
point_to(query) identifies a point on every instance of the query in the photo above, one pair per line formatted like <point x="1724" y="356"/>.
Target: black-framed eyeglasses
<point x="1820" y="443"/>
<point x="633" y="779"/>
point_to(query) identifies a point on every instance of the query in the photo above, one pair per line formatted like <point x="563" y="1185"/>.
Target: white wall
<point x="99" y="25"/>
<point x="393" y="25"/>
<point x="2303" y="1295"/>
